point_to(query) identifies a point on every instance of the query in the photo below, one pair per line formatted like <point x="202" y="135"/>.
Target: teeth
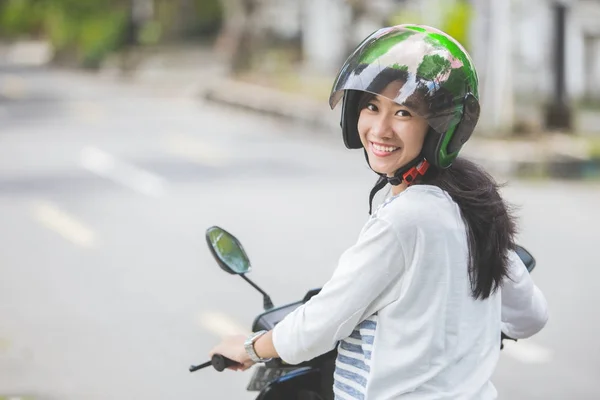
<point x="384" y="148"/>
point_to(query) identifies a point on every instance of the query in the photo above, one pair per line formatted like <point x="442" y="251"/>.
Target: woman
<point x="417" y="305"/>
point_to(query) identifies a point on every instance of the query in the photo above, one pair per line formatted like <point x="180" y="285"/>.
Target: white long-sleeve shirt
<point x="399" y="308"/>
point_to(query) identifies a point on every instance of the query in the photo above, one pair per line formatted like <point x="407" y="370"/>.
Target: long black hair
<point x="491" y="225"/>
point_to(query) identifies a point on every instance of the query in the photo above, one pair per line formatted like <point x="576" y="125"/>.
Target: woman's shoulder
<point x="413" y="199"/>
<point x="417" y="205"/>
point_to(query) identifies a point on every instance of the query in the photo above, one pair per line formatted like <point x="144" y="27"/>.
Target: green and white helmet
<point x="437" y="79"/>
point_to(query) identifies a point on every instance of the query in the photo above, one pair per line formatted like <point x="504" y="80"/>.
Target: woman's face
<point x="393" y="135"/>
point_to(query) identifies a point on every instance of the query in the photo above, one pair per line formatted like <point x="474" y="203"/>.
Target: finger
<point x="215" y="350"/>
<point x="247" y="365"/>
<point x="212" y="352"/>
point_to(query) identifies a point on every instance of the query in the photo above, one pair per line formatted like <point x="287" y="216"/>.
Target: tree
<point x="239" y="34"/>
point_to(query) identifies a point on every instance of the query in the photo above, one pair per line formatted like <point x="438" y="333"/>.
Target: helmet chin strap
<point x="408" y="173"/>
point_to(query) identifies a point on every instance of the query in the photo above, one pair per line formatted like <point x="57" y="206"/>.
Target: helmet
<point x="433" y="75"/>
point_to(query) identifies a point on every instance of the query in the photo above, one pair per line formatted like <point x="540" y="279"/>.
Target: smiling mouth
<point x="382" y="151"/>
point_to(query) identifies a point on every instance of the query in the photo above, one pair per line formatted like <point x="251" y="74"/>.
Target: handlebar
<point x="217" y="361"/>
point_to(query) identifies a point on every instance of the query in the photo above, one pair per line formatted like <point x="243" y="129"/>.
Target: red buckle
<point x="420" y="169"/>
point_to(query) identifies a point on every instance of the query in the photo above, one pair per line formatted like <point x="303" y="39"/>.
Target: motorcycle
<point x="276" y="380"/>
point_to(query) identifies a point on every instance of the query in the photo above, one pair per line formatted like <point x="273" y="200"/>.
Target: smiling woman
<point x="414" y="307"/>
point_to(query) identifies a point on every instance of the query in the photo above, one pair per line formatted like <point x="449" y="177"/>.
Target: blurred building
<point x="514" y="48"/>
<point x="533" y="45"/>
<point x="512" y="43"/>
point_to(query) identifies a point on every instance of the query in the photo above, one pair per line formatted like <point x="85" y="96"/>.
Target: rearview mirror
<point x="228" y="251"/>
<point x="526" y="257"/>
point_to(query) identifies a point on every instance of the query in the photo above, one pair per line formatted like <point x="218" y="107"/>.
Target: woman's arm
<point x="362" y="283"/>
<point x="264" y="346"/>
<point x="524" y="307"/>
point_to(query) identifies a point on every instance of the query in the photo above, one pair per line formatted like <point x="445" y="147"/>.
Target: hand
<point x="232" y="347"/>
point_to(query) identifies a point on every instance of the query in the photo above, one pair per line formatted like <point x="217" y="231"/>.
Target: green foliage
<point x="458" y="21"/>
<point x="86" y="29"/>
<point x="208" y="15"/>
<point x="20" y="16"/>
<point x="150" y="33"/>
<point x="99" y="35"/>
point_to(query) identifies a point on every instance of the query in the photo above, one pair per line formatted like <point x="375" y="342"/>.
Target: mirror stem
<point x="267" y="303"/>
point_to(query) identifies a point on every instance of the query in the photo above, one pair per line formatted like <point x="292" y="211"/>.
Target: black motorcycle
<point x="276" y="380"/>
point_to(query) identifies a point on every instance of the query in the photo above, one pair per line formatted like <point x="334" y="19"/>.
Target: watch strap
<point x="249" y="346"/>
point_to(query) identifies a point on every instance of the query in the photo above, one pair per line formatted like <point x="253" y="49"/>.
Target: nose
<point x="382" y="127"/>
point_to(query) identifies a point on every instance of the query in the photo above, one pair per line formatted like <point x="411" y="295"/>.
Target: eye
<point x="371" y="107"/>
<point x="403" y="113"/>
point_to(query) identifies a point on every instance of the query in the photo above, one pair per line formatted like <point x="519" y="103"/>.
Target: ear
<point x="466" y="126"/>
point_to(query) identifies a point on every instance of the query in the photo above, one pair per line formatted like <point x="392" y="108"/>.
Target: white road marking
<point x="109" y="167"/>
<point x="62" y="223"/>
<point x="527" y="352"/>
<point x="220" y="324"/>
<point x="196" y="150"/>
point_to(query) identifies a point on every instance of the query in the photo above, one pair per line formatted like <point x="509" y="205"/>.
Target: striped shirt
<point x="353" y="364"/>
<point x="399" y="309"/>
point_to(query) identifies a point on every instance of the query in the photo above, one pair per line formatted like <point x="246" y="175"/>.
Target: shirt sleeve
<point x="524" y="307"/>
<point x="362" y="283"/>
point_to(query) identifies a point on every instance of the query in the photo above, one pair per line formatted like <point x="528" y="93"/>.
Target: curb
<point x="274" y="103"/>
<point x="550" y="156"/>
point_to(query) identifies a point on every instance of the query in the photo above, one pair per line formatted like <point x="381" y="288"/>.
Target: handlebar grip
<point x="220" y="362"/>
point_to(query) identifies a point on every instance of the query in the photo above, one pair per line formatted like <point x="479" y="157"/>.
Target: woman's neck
<point x="399" y="188"/>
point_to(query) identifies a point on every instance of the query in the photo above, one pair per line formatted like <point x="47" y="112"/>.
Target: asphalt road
<point x="107" y="287"/>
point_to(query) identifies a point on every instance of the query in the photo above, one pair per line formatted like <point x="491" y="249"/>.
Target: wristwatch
<point x="249" y="346"/>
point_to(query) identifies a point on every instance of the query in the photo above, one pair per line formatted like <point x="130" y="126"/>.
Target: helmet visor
<point x="414" y="68"/>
